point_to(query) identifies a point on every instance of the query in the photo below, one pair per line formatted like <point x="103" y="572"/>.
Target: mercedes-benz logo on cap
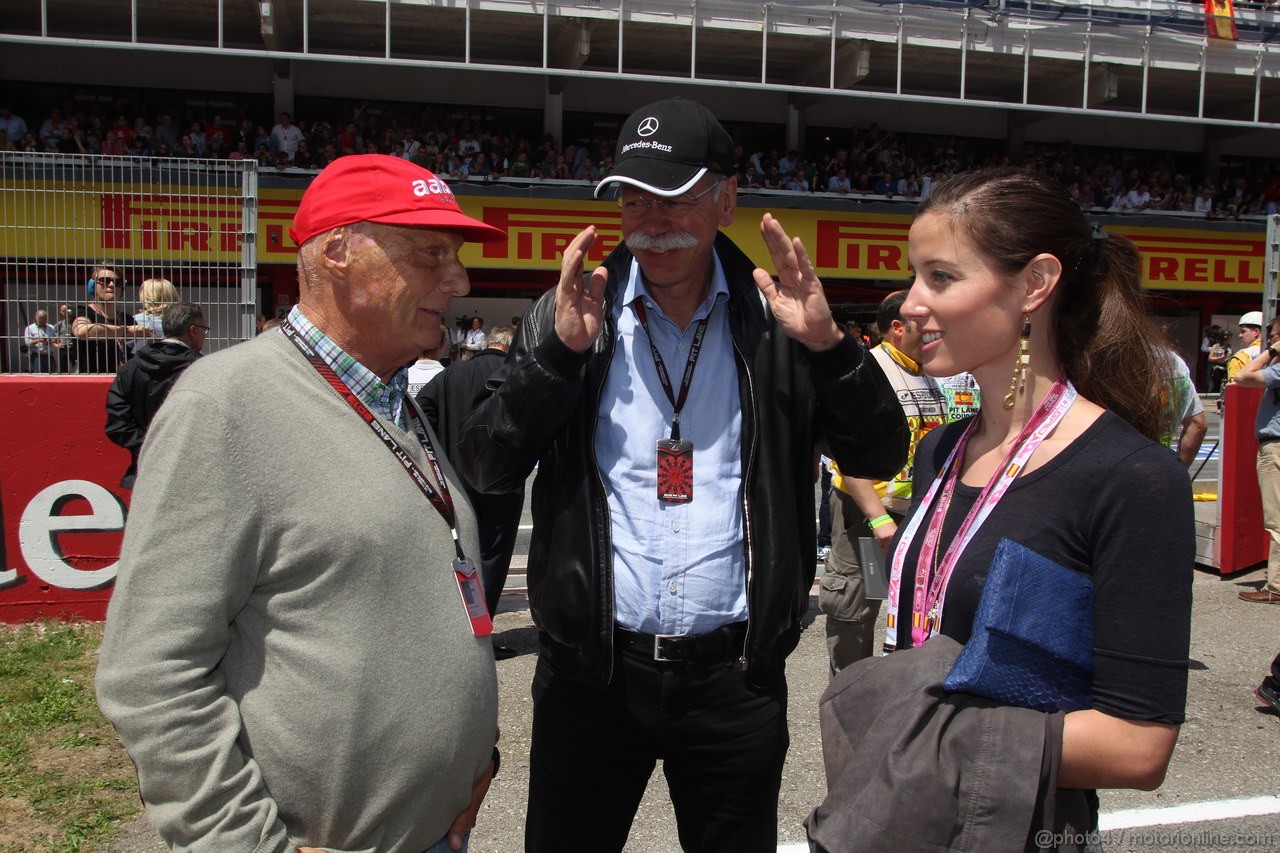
<point x="648" y="127"/>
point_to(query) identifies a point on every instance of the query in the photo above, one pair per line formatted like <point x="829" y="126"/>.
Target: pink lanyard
<point x="929" y="594"/>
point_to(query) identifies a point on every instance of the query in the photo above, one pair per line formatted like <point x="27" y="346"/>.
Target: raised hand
<point x="796" y="296"/>
<point x="580" y="306"/>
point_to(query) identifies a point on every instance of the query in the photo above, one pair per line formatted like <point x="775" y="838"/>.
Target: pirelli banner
<point x="858" y="245"/>
<point x="163" y="227"/>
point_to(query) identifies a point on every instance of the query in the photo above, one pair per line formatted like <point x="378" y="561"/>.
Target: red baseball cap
<point x="381" y="188"/>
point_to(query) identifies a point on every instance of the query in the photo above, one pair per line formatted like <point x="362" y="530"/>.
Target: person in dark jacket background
<point x="446" y="401"/>
<point x="673" y="546"/>
<point x="144" y="381"/>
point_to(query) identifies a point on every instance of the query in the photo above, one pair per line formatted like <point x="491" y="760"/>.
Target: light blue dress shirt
<point x="1267" y="420"/>
<point x="678" y="568"/>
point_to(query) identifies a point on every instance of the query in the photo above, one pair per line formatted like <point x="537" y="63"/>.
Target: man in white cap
<point x="673" y="545"/>
<point x="287" y="656"/>
<point x="1251" y="343"/>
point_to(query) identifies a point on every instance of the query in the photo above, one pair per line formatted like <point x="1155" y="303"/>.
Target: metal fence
<point x="66" y="220"/>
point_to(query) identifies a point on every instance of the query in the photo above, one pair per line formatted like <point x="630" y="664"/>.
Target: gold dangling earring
<point x="1018" y="382"/>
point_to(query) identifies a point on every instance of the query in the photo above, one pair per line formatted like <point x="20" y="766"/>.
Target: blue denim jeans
<point x="442" y="846"/>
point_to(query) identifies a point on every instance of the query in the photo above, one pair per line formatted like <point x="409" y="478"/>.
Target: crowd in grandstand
<point x="868" y="162"/>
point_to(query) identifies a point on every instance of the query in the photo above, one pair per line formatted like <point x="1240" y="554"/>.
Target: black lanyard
<point x="687" y="380"/>
<point x="441" y="500"/>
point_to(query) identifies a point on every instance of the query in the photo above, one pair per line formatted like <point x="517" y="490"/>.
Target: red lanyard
<point x="687" y="380"/>
<point x="441" y="500"/>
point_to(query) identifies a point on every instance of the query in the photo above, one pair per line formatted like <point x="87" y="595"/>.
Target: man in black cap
<point x="673" y="400"/>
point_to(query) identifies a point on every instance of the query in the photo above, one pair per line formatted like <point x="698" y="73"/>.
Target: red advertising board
<point x="60" y="498"/>
<point x="1244" y="540"/>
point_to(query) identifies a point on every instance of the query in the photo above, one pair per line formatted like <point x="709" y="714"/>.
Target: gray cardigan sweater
<point x="287" y="658"/>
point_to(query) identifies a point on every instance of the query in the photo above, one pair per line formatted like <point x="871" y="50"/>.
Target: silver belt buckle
<point x="657" y="647"/>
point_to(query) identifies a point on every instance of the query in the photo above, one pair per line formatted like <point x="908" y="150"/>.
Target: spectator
<point x="1214" y="346"/>
<point x="69" y="141"/>
<point x="199" y="142"/>
<point x="547" y="166"/>
<point x="473" y="340"/>
<point x="185" y="147"/>
<point x="303" y="158"/>
<point x="51" y="129"/>
<point x="216" y="127"/>
<point x="13" y="126"/>
<point x="587" y="171"/>
<point x="66" y="350"/>
<point x="1204" y="202"/>
<point x="349" y="141"/>
<point x="839" y="183"/>
<point x="167" y="132"/>
<point x="116" y="143"/>
<point x="216" y="149"/>
<point x="155" y="294"/>
<point x="42" y="341"/>
<point x="477" y="168"/>
<point x="795" y="182"/>
<point x="143" y="383"/>
<point x="101" y="328"/>
<point x="521" y="168"/>
<point x="286" y="135"/>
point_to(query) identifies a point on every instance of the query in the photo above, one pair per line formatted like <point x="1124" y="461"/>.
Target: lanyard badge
<point x="675" y="455"/>
<point x="675" y="470"/>
<point x="464" y="572"/>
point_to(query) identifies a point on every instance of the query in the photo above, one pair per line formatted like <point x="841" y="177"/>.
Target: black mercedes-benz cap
<point x="666" y="147"/>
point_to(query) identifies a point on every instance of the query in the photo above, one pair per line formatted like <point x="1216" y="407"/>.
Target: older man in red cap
<point x="287" y="656"/>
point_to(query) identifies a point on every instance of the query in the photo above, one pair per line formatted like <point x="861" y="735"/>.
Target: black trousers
<point x="497" y="523"/>
<point x="721" y="735"/>
<point x="824" y="509"/>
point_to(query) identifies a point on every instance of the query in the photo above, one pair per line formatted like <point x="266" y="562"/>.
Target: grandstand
<point x="1096" y="89"/>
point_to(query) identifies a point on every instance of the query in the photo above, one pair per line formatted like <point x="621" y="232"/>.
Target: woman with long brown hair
<point x="1014" y="286"/>
<point x="1059" y="467"/>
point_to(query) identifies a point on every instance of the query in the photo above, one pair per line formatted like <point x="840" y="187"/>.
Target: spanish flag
<point x="1220" y="20"/>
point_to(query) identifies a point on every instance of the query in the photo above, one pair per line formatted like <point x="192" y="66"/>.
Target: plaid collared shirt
<point x="386" y="399"/>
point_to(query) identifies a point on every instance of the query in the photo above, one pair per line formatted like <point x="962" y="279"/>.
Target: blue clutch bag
<point x="1032" y="640"/>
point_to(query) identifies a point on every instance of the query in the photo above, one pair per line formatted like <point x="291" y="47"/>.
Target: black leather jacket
<point x="544" y="410"/>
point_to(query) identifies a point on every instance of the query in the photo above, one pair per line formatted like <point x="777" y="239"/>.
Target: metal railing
<point x="68" y="220"/>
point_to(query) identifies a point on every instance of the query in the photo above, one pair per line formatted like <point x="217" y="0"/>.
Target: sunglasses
<point x="108" y="279"/>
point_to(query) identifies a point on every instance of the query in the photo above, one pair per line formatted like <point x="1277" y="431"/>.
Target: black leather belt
<point x="1266" y="440"/>
<point x="724" y="643"/>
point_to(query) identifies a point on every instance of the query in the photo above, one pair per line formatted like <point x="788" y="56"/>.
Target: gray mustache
<point x="668" y="242"/>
